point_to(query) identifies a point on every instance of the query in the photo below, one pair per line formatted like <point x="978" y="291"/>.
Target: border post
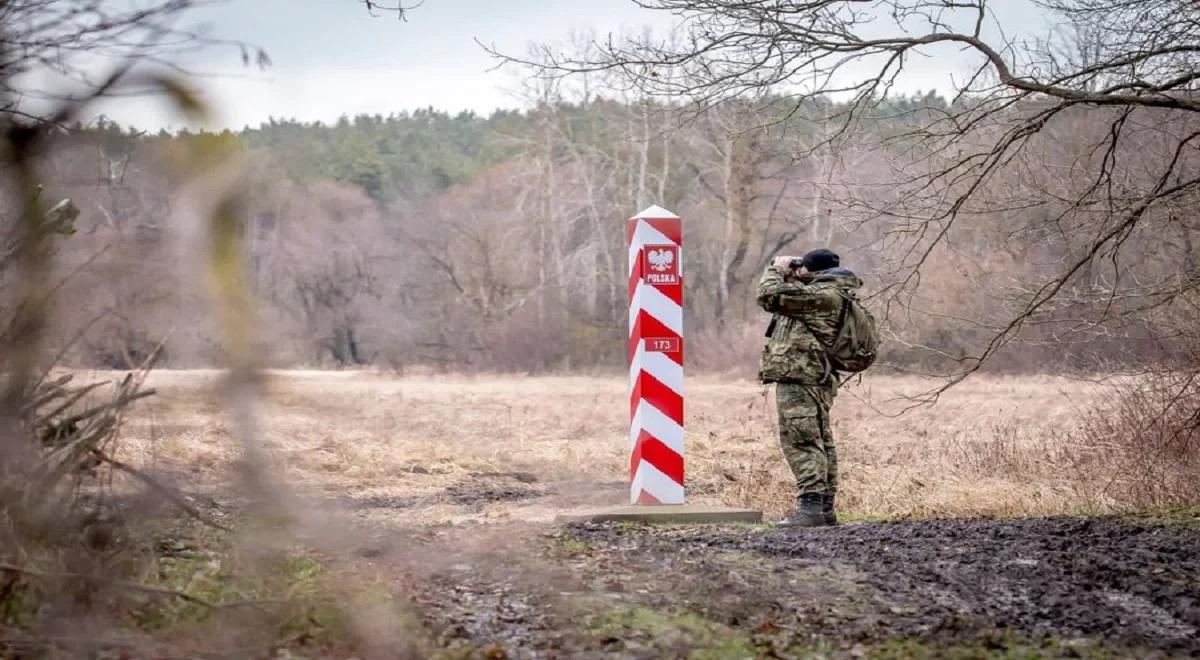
<point x="655" y="238"/>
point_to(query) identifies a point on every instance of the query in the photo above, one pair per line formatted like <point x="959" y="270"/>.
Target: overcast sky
<point x="332" y="58"/>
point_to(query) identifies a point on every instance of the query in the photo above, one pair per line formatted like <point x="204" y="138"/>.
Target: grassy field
<point x="991" y="446"/>
<point x="409" y="517"/>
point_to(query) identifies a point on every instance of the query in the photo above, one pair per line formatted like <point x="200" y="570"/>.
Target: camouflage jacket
<point x="807" y="310"/>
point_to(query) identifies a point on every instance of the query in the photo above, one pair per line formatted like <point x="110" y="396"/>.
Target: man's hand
<point x="783" y="264"/>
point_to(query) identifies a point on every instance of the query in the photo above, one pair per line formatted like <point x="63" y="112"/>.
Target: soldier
<point x="808" y="297"/>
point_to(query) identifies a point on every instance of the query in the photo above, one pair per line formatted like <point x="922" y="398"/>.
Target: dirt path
<point x="1061" y="587"/>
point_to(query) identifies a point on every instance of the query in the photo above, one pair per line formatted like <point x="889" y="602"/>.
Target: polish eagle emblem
<point x="661" y="260"/>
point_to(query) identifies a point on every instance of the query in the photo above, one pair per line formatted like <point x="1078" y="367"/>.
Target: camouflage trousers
<point x="805" y="435"/>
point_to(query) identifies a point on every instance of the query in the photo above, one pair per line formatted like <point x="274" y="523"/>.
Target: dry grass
<point x="993" y="446"/>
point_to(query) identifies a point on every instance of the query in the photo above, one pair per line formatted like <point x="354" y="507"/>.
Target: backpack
<point x="856" y="343"/>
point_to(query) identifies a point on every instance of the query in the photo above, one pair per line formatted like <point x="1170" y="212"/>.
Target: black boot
<point x="828" y="509"/>
<point x="810" y="512"/>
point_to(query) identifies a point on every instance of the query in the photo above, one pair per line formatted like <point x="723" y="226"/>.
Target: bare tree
<point x="1135" y="62"/>
<point x="317" y="253"/>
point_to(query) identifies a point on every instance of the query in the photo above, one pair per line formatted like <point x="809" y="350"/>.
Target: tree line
<point x="463" y="242"/>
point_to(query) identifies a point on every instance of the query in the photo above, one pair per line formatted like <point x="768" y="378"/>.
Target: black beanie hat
<point x="821" y="259"/>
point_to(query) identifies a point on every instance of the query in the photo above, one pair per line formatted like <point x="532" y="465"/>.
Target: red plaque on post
<point x="661" y="344"/>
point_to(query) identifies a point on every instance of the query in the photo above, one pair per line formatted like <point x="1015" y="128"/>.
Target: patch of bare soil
<point x="472" y="494"/>
<point x="967" y="588"/>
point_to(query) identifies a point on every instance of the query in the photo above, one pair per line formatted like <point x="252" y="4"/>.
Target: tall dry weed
<point x="1142" y="440"/>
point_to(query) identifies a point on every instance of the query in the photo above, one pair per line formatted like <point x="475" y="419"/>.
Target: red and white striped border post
<point x="655" y="237"/>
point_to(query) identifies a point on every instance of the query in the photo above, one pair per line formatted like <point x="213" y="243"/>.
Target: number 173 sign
<point x="661" y="344"/>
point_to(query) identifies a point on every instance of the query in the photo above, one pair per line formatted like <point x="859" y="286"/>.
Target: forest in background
<point x="461" y="242"/>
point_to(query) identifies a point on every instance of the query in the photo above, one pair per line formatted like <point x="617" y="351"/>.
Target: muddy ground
<point x="1058" y="587"/>
<point x="513" y="587"/>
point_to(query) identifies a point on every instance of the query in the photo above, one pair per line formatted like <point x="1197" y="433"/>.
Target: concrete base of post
<point x="684" y="514"/>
